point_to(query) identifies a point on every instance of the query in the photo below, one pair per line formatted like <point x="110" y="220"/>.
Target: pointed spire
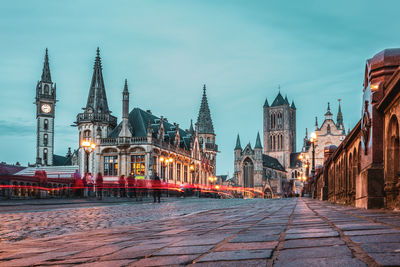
<point x="266" y="103"/>
<point x="328" y="114"/>
<point x="339" y="118"/>
<point x="258" y="141"/>
<point x="316" y="122"/>
<point x="126" y="85"/>
<point x="293" y="106"/>
<point x="46" y="77"/>
<point x="238" y="146"/>
<point x="204" y="119"/>
<point x="191" y="130"/>
<point x="97" y="99"/>
<point x="279" y="100"/>
<point x="306" y="133"/>
<point x="286" y="100"/>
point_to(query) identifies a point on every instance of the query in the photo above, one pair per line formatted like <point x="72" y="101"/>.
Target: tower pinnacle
<point x="46" y="77"/>
<point x="204" y="119"/>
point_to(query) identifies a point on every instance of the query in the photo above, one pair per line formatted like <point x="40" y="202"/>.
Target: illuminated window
<point x="138" y="164"/>
<point x="185" y="173"/>
<point x="178" y="171"/>
<point x="111" y="165"/>
<point x="45" y="156"/>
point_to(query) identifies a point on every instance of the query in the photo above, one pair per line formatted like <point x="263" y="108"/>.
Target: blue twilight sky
<point x="242" y="50"/>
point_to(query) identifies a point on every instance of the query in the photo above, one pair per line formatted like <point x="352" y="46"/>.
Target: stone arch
<point x="392" y="152"/>
<point x="248" y="172"/>
<point x="268" y="193"/>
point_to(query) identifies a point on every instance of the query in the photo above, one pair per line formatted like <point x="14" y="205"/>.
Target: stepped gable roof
<point x="10" y="169"/>
<point x="295" y="162"/>
<point x="272" y="163"/>
<point x="138" y="121"/>
<point x="279" y="101"/>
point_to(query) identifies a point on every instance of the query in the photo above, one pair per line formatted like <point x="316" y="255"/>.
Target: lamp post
<point x="312" y="140"/>
<point x="89" y="148"/>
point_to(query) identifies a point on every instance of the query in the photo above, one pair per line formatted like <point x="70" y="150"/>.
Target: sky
<point x="242" y="50"/>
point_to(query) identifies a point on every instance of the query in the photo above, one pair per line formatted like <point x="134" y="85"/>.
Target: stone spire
<point x="191" y="130"/>
<point x="46" y="77"/>
<point x="316" y="123"/>
<point x="97" y="100"/>
<point x="339" y="118"/>
<point x="328" y="114"/>
<point x="125" y="132"/>
<point x="286" y="100"/>
<point x="238" y="146"/>
<point x="293" y="106"/>
<point x="266" y="103"/>
<point x="258" y="141"/>
<point x="204" y="120"/>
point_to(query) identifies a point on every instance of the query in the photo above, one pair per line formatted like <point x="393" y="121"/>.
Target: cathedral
<point x="268" y="167"/>
<point x="142" y="143"/>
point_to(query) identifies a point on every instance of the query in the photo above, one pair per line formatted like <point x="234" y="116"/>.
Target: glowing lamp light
<point x="191" y="167"/>
<point x="301" y="156"/>
<point x="85" y="143"/>
<point x="93" y="145"/>
<point x="170" y="159"/>
<point x="374" y="86"/>
<point x="161" y="159"/>
<point x="313" y="137"/>
<point x="217" y="187"/>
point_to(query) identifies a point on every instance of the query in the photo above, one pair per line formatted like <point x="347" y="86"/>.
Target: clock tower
<point x="45" y="111"/>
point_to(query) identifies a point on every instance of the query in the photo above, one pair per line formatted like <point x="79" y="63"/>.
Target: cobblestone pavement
<point x="288" y="232"/>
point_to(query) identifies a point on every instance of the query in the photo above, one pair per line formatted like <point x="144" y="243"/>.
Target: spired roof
<point x="272" y="163"/>
<point x="139" y="124"/>
<point x="279" y="101"/>
<point x="61" y="160"/>
<point x="266" y="103"/>
<point x="97" y="99"/>
<point x="46" y="77"/>
<point x="293" y="106"/>
<point x="258" y="141"/>
<point x="204" y="120"/>
<point x="238" y="146"/>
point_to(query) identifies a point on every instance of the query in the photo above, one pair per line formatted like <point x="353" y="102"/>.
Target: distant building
<point x="329" y="133"/>
<point x="142" y="143"/>
<point x="272" y="168"/>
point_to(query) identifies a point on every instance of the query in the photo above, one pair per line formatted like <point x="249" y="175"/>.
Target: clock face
<point x="46" y="108"/>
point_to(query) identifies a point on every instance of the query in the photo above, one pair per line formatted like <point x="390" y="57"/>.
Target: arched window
<point x="46" y="89"/>
<point x="46" y="124"/>
<point x="271" y="121"/>
<point x="281" y="142"/>
<point x="274" y="147"/>
<point x="270" y="142"/>
<point x="45" y="156"/>
<point x="45" y="139"/>
<point x="208" y="139"/>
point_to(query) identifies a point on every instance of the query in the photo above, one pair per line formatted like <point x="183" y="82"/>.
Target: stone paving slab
<point x="205" y="232"/>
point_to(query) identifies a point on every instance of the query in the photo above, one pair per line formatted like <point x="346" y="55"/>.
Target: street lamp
<point x="89" y="148"/>
<point x="312" y="140"/>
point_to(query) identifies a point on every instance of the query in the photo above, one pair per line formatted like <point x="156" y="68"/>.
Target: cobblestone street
<point x="202" y="232"/>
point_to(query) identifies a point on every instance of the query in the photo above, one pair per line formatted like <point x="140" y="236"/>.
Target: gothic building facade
<point x="273" y="165"/>
<point x="142" y="143"/>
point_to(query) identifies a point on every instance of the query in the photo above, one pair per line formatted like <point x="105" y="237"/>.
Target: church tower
<point x="45" y="113"/>
<point x="96" y="120"/>
<point x="280" y="129"/>
<point x="206" y="134"/>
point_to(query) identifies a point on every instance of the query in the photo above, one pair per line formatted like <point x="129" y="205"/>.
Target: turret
<point x="125" y="132"/>
<point x="339" y="118"/>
